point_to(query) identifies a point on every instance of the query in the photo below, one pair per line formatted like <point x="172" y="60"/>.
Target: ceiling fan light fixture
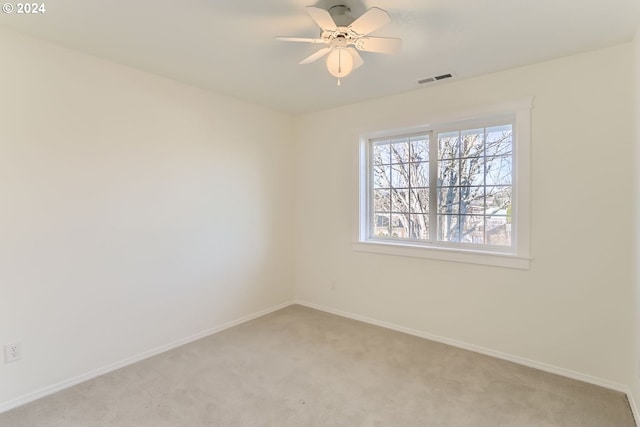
<point x="344" y="37"/>
<point x="340" y="63"/>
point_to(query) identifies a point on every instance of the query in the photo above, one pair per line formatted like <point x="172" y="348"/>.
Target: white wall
<point x="134" y="212"/>
<point x="634" y="367"/>
<point x="572" y="309"/>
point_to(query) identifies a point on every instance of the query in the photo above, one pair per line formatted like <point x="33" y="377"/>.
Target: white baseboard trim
<point x="38" y="394"/>
<point x="482" y="350"/>
<point x="30" y="397"/>
<point x="634" y="407"/>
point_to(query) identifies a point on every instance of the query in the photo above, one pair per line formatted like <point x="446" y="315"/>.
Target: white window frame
<point x="518" y="113"/>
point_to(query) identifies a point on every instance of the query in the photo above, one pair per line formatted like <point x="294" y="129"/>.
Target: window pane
<point x="420" y="200"/>
<point x="448" y="172"/>
<point x="400" y="150"/>
<point x="381" y="200"/>
<point x="472" y="171"/>
<point x="499" y="140"/>
<point x="498" y="200"/>
<point x="472" y="229"/>
<point x="400" y="226"/>
<point x="472" y="143"/>
<point x="419" y="226"/>
<point x="400" y="175"/>
<point x="448" y="145"/>
<point x="419" y="173"/>
<point x="499" y="170"/>
<point x="419" y="146"/>
<point x="498" y="230"/>
<point x="449" y="200"/>
<point x="381" y="154"/>
<point x="448" y="228"/>
<point x="472" y="200"/>
<point x="400" y="200"/>
<point x="473" y="188"/>
<point x="381" y="176"/>
<point x="381" y="224"/>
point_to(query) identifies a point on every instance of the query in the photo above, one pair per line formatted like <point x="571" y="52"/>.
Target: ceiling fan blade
<point x="300" y="39"/>
<point x="322" y="18"/>
<point x="314" y="57"/>
<point x="378" y="44"/>
<point x="371" y="20"/>
<point x="357" y="59"/>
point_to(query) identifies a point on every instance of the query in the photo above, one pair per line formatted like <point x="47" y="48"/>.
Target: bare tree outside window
<point x="401" y="188"/>
<point x="473" y="187"/>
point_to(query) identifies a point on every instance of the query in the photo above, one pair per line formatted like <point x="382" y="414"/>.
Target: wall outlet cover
<point x="12" y="352"/>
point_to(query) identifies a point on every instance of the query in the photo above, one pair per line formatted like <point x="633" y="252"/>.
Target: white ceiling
<point x="228" y="46"/>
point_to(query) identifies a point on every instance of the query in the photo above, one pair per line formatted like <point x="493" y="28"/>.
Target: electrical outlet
<point x="12" y="352"/>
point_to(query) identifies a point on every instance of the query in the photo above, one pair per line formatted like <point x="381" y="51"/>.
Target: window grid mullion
<point x="459" y="187"/>
<point x="484" y="187"/>
<point x="433" y="186"/>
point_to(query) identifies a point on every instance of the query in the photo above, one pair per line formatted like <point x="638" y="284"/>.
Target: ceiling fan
<point x="345" y="36"/>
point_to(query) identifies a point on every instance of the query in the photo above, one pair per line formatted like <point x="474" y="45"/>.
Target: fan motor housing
<point x="341" y="15"/>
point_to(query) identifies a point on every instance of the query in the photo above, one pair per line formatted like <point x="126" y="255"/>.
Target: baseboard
<point x="633" y="406"/>
<point x="482" y="350"/>
<point x="6" y="406"/>
<point x="29" y="397"/>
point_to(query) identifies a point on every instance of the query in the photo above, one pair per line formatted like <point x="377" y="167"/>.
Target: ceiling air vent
<point x="435" y="78"/>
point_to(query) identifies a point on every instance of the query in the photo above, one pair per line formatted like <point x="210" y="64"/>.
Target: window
<point x="457" y="190"/>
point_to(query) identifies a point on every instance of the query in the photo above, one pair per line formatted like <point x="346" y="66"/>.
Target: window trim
<point x="518" y="256"/>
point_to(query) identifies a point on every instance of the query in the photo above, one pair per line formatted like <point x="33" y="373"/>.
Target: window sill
<point x="445" y="254"/>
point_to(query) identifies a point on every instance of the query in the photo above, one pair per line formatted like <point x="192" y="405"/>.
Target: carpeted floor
<point x="301" y="367"/>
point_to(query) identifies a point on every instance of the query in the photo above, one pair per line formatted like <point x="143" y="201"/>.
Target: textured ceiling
<point x="228" y="46"/>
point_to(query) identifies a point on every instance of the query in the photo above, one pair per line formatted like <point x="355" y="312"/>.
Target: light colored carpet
<point x="301" y="367"/>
